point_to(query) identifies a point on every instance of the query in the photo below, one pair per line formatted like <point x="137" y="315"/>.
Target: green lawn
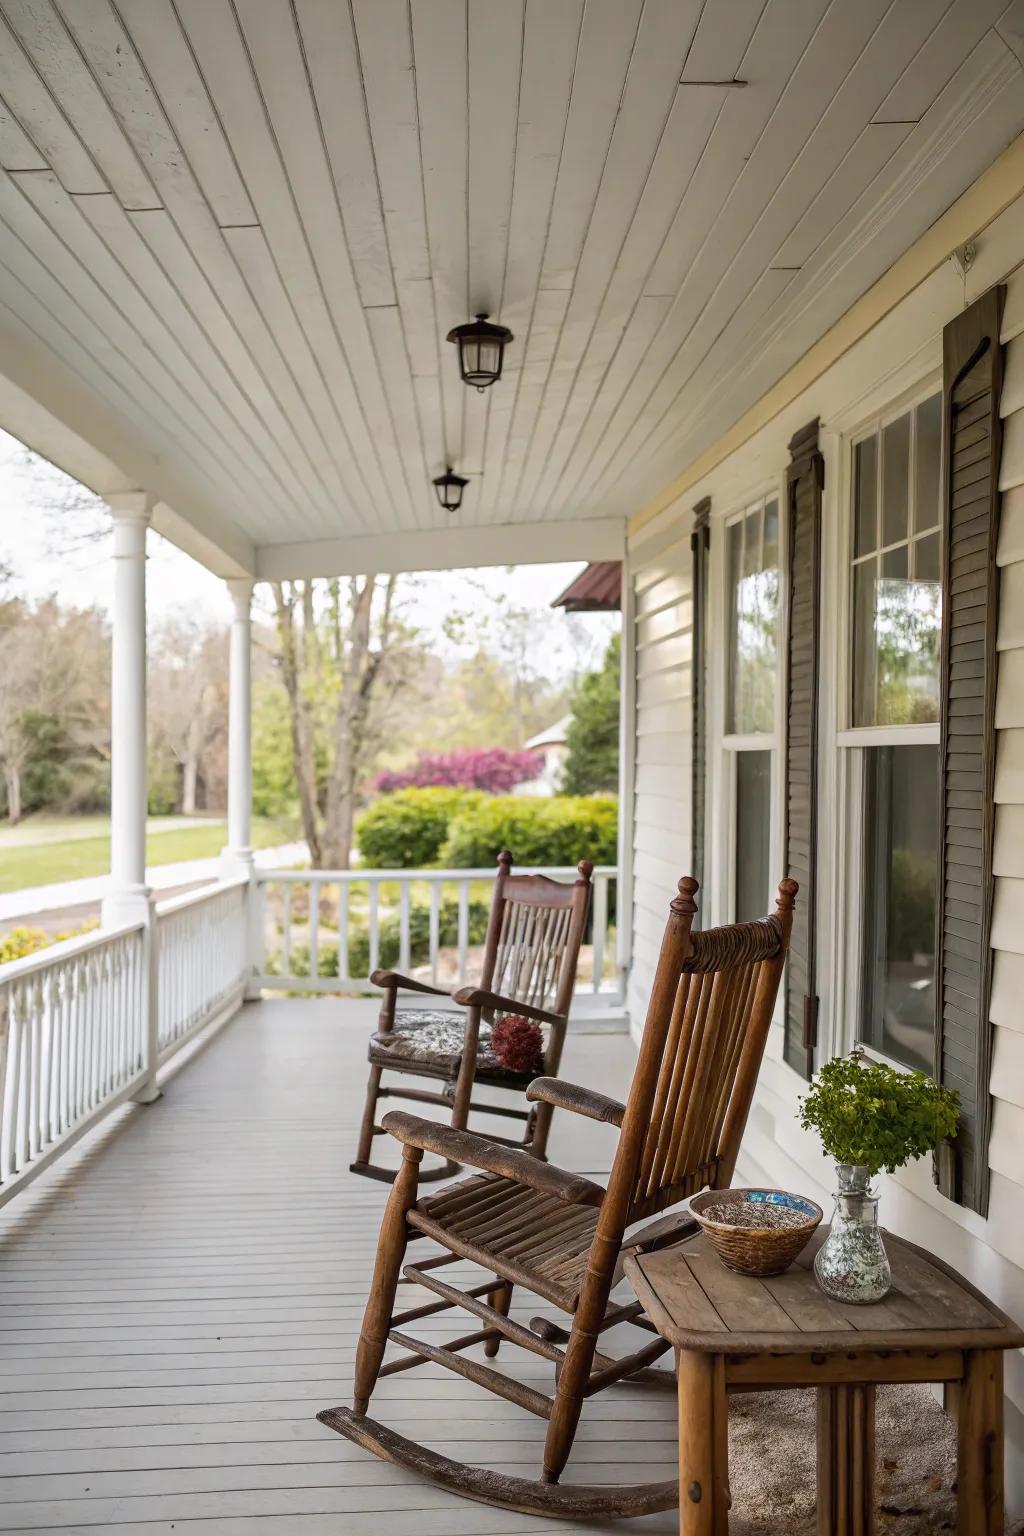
<point x="73" y="848"/>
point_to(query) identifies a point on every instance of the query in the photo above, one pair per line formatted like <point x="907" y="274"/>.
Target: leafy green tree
<point x="592" y="759"/>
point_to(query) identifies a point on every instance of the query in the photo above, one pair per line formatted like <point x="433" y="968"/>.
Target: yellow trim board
<point x="983" y="201"/>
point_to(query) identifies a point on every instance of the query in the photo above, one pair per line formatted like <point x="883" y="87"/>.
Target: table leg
<point x="846" y="1460"/>
<point x="980" y="1447"/>
<point x="703" y="1445"/>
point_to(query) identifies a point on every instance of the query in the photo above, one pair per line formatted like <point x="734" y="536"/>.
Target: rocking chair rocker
<point x="529" y="967"/>
<point x="563" y="1237"/>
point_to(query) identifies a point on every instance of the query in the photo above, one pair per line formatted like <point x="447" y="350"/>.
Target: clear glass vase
<point x="851" y="1264"/>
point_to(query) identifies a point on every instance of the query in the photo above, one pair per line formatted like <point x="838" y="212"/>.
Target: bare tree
<point x="339" y="654"/>
<point x="188" y="701"/>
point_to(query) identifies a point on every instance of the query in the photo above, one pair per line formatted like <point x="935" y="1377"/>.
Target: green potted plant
<point x="869" y="1117"/>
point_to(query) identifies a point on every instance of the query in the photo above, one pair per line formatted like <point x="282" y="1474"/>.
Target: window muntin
<point x="753" y="574"/>
<point x="900" y="884"/>
<point x="897" y="591"/>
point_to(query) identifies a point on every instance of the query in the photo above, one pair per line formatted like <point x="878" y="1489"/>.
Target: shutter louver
<point x="804" y="483"/>
<point x="700" y="544"/>
<point x="972" y="381"/>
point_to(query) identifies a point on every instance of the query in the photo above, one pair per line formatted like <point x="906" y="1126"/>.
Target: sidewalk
<point x="161" y="877"/>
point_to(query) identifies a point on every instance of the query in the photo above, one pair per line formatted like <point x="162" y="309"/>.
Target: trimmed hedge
<point x="561" y="830"/>
<point x="405" y="830"/>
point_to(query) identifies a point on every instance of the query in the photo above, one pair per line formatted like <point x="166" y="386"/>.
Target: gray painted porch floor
<point x="182" y="1294"/>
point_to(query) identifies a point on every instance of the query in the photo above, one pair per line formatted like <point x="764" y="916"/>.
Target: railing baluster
<point x="314" y="929"/>
<point x="373" y="892"/>
<point x="286" y="935"/>
<point x="343" y="894"/>
<point x="599" y="919"/>
<point x="435" y="928"/>
<point x="463" y="929"/>
<point x="404" y="956"/>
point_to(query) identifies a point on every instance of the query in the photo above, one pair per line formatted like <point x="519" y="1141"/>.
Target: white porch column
<point x="128" y="896"/>
<point x="237" y="857"/>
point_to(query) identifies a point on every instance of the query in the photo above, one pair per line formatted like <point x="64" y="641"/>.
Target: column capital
<point x="240" y="591"/>
<point x="130" y="506"/>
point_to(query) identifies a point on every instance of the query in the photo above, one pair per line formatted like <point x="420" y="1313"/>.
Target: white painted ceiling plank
<point x="31" y="104"/>
<point x="440" y="53"/>
<point x="663" y="39"/>
<point x="258" y="413"/>
<point x="54" y="54"/>
<point x="848" y="64"/>
<point x="243" y="439"/>
<point x="389" y="343"/>
<point x="332" y="59"/>
<point x="17" y="152"/>
<point x="962" y="26"/>
<point x="45" y="265"/>
<point x="871" y="151"/>
<point x="280" y="73"/>
<point x="385" y="47"/>
<point x="550" y="42"/>
<point x="720" y="41"/>
<point x="151" y="80"/>
<point x="224" y="62"/>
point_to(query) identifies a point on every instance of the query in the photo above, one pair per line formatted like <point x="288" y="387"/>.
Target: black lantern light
<point x="481" y="350"/>
<point x="449" y="490"/>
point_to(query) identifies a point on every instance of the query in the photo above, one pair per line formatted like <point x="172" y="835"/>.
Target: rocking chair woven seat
<point x="432" y="1044"/>
<point x="530" y="955"/>
<point x="562" y="1236"/>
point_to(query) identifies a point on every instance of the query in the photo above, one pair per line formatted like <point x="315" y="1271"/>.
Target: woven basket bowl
<point x="766" y="1250"/>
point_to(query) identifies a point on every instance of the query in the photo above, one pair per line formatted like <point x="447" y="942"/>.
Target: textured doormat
<point x="772" y="1464"/>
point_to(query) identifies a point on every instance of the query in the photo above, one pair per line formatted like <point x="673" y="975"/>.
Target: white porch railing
<point x="85" y="1023"/>
<point x="202" y="960"/>
<point x="326" y="930"/>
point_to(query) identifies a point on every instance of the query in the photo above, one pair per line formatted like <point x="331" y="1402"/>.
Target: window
<point x="752" y="565"/>
<point x="896" y="607"/>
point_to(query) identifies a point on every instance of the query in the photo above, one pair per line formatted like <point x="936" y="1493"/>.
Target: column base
<point x="147" y="1094"/>
<point x="236" y="863"/>
<point x="130" y="904"/>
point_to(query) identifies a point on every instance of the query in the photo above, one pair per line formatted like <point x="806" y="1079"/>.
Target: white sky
<point x="80" y="572"/>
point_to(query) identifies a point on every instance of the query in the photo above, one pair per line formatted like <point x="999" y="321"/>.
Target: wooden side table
<point x="733" y="1333"/>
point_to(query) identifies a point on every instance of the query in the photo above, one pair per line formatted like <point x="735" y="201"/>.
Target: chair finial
<point x="505" y="861"/>
<point x="684" y="904"/>
<point x="786" y="899"/>
<point x="585" y="868"/>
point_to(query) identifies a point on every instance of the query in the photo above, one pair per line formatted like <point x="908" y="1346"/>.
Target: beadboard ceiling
<point x="233" y="235"/>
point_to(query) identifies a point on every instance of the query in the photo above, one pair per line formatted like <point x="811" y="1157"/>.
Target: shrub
<point x="561" y="830"/>
<point x="405" y="830"/>
<point x="494" y="770"/>
<point x="19" y="942"/>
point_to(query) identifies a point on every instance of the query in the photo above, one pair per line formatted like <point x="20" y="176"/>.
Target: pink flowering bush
<point x="493" y="770"/>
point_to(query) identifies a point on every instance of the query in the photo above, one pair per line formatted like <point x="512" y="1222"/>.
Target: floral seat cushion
<point x="429" y="1041"/>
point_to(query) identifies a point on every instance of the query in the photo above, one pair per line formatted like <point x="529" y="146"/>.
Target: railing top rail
<point x="346" y="876"/>
<point x="196" y="898"/>
<point x="67" y="949"/>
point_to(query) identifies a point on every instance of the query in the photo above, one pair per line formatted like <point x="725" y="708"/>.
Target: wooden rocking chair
<point x="562" y="1236"/>
<point x="531" y="952"/>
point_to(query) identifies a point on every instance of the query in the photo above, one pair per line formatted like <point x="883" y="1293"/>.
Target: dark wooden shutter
<point x="971" y="385"/>
<point x="700" y="544"/>
<point x="804" y="483"/>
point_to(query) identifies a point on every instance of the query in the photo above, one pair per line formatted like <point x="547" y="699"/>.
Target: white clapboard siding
<point x="660" y="563"/>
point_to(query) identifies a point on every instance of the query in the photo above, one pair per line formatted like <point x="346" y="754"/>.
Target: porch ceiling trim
<point x="982" y="202"/>
<point x="443" y="549"/>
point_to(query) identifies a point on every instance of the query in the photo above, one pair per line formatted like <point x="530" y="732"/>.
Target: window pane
<point x="753" y="614"/>
<point x="895" y="479"/>
<point x="865" y="496"/>
<point x="753" y="823"/>
<point x="927" y="458"/>
<point x="901" y="854"/>
<point x="896" y="623"/>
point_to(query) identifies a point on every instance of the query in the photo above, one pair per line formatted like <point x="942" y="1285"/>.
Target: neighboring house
<point x="551" y="747"/>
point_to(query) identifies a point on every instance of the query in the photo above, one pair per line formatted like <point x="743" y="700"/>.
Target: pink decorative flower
<point x="518" y="1043"/>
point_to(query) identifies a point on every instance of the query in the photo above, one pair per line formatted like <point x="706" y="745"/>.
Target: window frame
<point x="852" y="742"/>
<point x="728" y="744"/>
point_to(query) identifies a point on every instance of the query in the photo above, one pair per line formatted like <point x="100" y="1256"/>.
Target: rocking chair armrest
<point x="405" y="983"/>
<point x="507" y="1162"/>
<point x="477" y="997"/>
<point x="581" y="1101"/>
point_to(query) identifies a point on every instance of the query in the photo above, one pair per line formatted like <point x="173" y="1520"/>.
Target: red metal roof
<point x="598" y="589"/>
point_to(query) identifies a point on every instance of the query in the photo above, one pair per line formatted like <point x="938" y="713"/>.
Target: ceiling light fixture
<point x="481" y="351"/>
<point x="449" y="488"/>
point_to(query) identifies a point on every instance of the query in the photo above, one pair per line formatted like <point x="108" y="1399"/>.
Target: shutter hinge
<point x="810" y="1023"/>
